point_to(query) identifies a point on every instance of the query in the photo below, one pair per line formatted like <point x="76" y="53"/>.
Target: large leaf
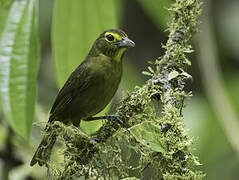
<point x="19" y="54"/>
<point x="76" y="24"/>
<point x="4" y="8"/>
<point x="157" y="11"/>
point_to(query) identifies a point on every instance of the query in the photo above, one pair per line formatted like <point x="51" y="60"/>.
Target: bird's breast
<point x="104" y="82"/>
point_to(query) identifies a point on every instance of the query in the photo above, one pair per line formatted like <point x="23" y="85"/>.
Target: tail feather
<point x="43" y="152"/>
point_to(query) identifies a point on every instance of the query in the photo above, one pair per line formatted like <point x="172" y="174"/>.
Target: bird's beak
<point x="126" y="43"/>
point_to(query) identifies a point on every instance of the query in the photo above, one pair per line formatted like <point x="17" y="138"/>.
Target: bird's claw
<point x="120" y="119"/>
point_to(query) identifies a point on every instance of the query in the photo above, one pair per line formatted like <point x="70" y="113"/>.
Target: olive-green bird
<point x="89" y="88"/>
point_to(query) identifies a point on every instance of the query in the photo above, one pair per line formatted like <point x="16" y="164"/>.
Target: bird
<point x="89" y="88"/>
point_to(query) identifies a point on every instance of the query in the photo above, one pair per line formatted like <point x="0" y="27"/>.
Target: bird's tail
<point x="43" y="152"/>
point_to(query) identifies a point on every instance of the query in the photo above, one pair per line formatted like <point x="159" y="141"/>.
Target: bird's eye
<point x="110" y="37"/>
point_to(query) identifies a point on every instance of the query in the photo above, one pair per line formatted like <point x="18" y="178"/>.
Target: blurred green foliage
<point x="157" y="10"/>
<point x="216" y="154"/>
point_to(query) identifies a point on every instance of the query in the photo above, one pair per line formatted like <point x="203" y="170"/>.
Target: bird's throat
<point x="119" y="54"/>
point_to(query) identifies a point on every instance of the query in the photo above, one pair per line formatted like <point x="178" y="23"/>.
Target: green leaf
<point x="173" y="75"/>
<point x="146" y="73"/>
<point x="4" y="8"/>
<point x="76" y="24"/>
<point x="149" y="135"/>
<point x="19" y="59"/>
<point x="156" y="9"/>
<point x="186" y="75"/>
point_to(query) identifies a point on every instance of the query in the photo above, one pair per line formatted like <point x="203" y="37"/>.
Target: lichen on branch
<point x="148" y="144"/>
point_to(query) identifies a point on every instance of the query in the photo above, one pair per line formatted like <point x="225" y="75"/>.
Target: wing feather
<point x="76" y="83"/>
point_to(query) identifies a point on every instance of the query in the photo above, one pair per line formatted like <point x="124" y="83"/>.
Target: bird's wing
<point x="76" y="83"/>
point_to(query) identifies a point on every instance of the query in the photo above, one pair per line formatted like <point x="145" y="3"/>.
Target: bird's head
<point x="112" y="43"/>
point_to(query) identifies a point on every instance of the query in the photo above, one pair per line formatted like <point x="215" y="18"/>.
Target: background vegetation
<point x="211" y="115"/>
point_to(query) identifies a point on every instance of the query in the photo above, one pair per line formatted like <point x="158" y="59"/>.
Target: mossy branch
<point x="147" y="144"/>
